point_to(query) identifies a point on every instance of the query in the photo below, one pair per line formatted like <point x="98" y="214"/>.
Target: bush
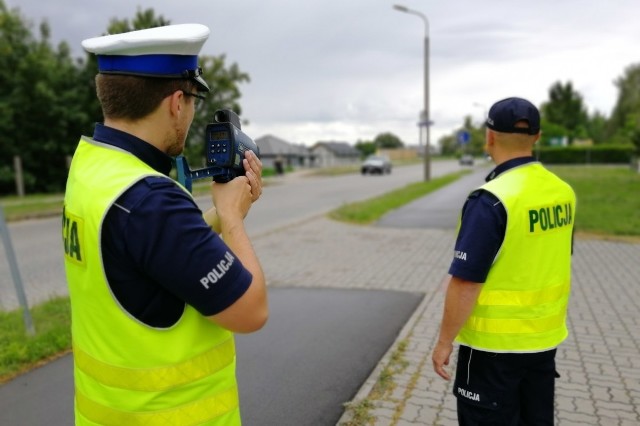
<point x="599" y="154"/>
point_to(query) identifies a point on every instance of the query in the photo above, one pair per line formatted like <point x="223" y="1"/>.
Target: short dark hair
<point x="133" y="97"/>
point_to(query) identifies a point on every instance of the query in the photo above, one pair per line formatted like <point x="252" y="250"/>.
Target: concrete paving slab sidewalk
<point x="599" y="362"/>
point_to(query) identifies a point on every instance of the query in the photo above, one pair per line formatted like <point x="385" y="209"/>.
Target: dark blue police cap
<point x="504" y="115"/>
<point x="162" y="52"/>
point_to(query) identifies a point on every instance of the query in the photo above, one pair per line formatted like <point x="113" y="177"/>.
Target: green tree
<point x="552" y="132"/>
<point x="47" y="98"/>
<point x="448" y="144"/>
<point x="566" y="108"/>
<point x="387" y="141"/>
<point x="624" y="124"/>
<point x="40" y="104"/>
<point x="366" y="148"/>
<point x="597" y="128"/>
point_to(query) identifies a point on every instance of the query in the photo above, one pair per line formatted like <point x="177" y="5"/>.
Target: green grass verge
<point x="608" y="198"/>
<point x="16" y="208"/>
<point x="368" y="211"/>
<point x="19" y="351"/>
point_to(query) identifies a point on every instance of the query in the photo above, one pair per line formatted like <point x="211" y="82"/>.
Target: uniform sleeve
<point x="168" y="238"/>
<point x="480" y="237"/>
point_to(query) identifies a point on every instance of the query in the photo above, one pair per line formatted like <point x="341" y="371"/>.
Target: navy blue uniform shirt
<point x="482" y="229"/>
<point x="158" y="252"/>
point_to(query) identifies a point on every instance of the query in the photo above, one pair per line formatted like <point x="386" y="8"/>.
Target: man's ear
<point x="490" y="137"/>
<point x="537" y="137"/>
<point x="176" y="104"/>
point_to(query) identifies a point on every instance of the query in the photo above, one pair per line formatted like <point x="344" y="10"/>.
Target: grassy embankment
<point x="608" y="207"/>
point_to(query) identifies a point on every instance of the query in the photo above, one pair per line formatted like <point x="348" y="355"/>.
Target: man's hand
<point x="233" y="199"/>
<point x="253" y="170"/>
<point x="440" y="358"/>
<point x="459" y="302"/>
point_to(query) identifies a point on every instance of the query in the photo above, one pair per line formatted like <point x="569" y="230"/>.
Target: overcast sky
<point x="347" y="70"/>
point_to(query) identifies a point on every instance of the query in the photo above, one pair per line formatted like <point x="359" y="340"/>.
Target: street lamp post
<point x="426" y="119"/>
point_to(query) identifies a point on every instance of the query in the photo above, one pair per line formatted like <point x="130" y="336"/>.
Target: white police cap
<point x="163" y="52"/>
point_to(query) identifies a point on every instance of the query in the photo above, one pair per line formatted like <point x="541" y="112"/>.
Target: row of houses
<point x="322" y="154"/>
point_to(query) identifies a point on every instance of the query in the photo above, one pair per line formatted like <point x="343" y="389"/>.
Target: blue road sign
<point x="463" y="137"/>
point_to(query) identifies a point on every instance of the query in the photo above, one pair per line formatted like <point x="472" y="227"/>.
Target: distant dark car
<point x="376" y="164"/>
<point x="466" y="160"/>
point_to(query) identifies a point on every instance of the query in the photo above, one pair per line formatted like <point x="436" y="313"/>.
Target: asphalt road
<point x="320" y="345"/>
<point x="37" y="243"/>
<point x="317" y="349"/>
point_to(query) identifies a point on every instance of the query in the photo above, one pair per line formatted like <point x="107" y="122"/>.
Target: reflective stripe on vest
<point x="523" y="303"/>
<point x="195" y="413"/>
<point x="157" y="378"/>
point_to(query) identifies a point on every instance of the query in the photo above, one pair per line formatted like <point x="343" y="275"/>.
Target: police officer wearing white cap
<point x="157" y="287"/>
<point x="506" y="301"/>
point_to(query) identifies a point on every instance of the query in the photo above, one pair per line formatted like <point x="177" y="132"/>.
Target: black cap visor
<point x="196" y="77"/>
<point x="521" y="130"/>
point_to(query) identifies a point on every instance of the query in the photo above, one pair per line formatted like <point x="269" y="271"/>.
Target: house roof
<point x="340" y="149"/>
<point x="271" y="145"/>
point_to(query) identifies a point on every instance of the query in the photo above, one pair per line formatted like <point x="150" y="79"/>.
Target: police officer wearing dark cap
<point x="507" y="297"/>
<point x="157" y="287"/>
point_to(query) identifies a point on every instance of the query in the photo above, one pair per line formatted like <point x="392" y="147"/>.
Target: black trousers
<point x="505" y="389"/>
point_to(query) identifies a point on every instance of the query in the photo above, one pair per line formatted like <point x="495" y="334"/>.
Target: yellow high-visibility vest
<point x="126" y="372"/>
<point x="522" y="306"/>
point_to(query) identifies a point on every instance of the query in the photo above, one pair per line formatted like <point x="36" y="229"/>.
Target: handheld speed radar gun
<point x="225" y="145"/>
